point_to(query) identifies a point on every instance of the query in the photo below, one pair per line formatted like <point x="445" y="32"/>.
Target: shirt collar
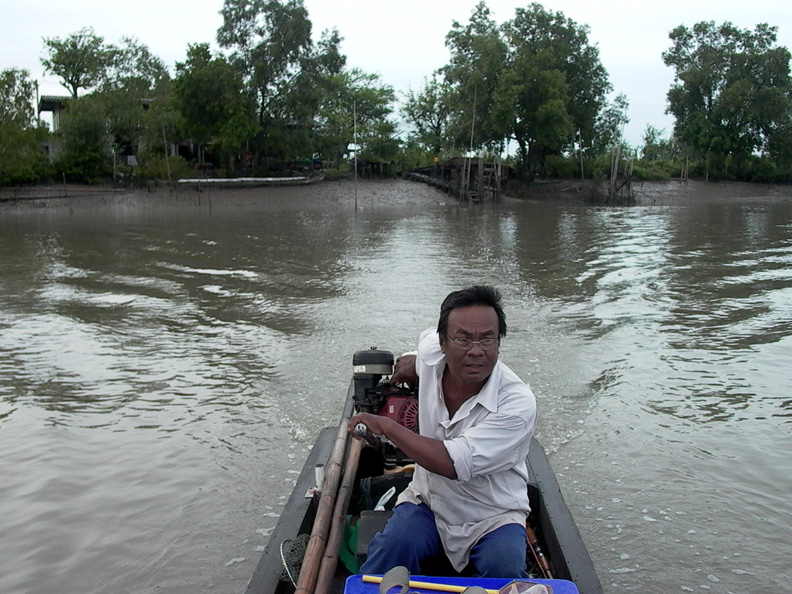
<point x="488" y="396"/>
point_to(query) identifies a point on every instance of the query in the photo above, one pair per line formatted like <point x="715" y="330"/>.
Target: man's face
<point x="476" y="323"/>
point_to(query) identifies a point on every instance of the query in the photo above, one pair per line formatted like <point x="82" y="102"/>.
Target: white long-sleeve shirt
<point x="487" y="440"/>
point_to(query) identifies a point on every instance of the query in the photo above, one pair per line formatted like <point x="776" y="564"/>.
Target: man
<point x="468" y="497"/>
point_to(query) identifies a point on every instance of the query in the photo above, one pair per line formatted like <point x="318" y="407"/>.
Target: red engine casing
<point x="402" y="409"/>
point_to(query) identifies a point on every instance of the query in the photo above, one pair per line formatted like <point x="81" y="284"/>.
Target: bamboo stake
<point x="354" y="120"/>
<point x="167" y="162"/>
<point x="469" y="160"/>
<point x="330" y="559"/>
<point x="317" y="542"/>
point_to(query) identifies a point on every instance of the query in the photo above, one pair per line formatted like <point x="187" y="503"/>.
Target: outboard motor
<point x="376" y="395"/>
<point x="371" y="369"/>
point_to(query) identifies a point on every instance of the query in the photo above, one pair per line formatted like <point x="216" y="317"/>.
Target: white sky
<point x="404" y="42"/>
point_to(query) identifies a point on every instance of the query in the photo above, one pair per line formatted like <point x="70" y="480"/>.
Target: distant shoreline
<point x="669" y="193"/>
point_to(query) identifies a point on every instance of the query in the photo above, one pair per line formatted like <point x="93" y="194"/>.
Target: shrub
<point x="155" y="168"/>
<point x="22" y="160"/>
<point x="559" y="167"/>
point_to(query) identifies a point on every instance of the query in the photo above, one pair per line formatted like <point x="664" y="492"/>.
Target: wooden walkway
<point x="468" y="179"/>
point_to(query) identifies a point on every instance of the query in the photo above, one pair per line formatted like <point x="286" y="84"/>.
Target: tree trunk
<point x="524" y="147"/>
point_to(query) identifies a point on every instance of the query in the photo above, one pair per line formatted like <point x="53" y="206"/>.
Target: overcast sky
<point x="404" y="41"/>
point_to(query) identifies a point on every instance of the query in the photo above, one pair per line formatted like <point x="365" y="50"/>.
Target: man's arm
<point x="429" y="453"/>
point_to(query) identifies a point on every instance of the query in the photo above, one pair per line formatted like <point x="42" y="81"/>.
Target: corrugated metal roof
<point x="52" y="102"/>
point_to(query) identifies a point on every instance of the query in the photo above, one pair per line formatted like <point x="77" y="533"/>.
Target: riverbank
<point x="665" y="193"/>
<point x="679" y="192"/>
<point x="326" y="196"/>
<point x="660" y="193"/>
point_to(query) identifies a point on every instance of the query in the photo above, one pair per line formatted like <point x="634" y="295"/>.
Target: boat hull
<point x="554" y="521"/>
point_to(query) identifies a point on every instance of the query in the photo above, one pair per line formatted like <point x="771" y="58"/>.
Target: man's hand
<point x="429" y="453"/>
<point x="404" y="371"/>
<point x="372" y="422"/>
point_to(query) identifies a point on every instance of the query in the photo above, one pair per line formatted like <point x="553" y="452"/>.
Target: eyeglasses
<point x="465" y="344"/>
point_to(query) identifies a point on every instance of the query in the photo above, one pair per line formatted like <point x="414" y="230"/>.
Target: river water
<point x="167" y="360"/>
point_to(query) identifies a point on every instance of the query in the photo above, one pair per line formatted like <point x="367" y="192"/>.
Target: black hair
<point x="475" y="295"/>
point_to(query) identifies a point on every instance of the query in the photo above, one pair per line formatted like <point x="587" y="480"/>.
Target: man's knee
<point x="409" y="536"/>
<point x="501" y="553"/>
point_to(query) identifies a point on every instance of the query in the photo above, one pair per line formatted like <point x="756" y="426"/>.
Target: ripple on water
<point x="162" y="376"/>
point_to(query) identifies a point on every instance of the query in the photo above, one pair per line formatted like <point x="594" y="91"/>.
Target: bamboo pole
<point x="167" y="162"/>
<point x="318" y="539"/>
<point x="354" y="124"/>
<point x="480" y="178"/>
<point x="498" y="177"/>
<point x="440" y="587"/>
<point x="330" y="560"/>
<point x="470" y="159"/>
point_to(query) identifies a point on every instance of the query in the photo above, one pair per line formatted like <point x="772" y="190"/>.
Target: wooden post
<point x="465" y="195"/>
<point x="167" y="162"/>
<point x="480" y="179"/>
<point x="498" y="177"/>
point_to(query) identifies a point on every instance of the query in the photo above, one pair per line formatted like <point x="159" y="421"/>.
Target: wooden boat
<point x="318" y="517"/>
<point x="250" y="182"/>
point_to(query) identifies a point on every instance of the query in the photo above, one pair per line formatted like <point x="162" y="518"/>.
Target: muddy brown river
<point x="166" y="361"/>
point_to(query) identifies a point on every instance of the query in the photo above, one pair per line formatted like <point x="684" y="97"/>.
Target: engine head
<point x="376" y="395"/>
<point x="370" y="368"/>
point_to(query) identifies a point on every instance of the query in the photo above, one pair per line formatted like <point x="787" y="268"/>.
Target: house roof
<point x="52" y="102"/>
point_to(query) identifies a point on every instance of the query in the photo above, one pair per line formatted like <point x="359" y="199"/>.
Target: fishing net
<point x="292" y="554"/>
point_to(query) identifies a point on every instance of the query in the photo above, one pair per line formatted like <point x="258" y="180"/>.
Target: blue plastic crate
<point x="356" y="585"/>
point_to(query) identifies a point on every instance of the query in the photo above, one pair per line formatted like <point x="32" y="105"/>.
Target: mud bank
<point x="366" y="193"/>
<point x="668" y="193"/>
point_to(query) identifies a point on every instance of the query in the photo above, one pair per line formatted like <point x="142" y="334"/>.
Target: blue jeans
<point x="410" y="536"/>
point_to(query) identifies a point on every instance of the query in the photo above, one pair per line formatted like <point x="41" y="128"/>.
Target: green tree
<point x="535" y="80"/>
<point x="21" y="157"/>
<point x="159" y="128"/>
<point x="80" y="60"/>
<point x="556" y="85"/>
<point x="731" y="93"/>
<point x="429" y="114"/>
<point x="380" y="142"/>
<point x="85" y="153"/>
<point x="271" y="42"/>
<point x="134" y="85"/>
<point x="292" y="128"/>
<point x="609" y="126"/>
<point x="355" y="99"/>
<point x="132" y="67"/>
<point x="327" y="58"/>
<point x="129" y="91"/>
<point x="214" y="104"/>
<point x="478" y="57"/>
<point x="655" y="147"/>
